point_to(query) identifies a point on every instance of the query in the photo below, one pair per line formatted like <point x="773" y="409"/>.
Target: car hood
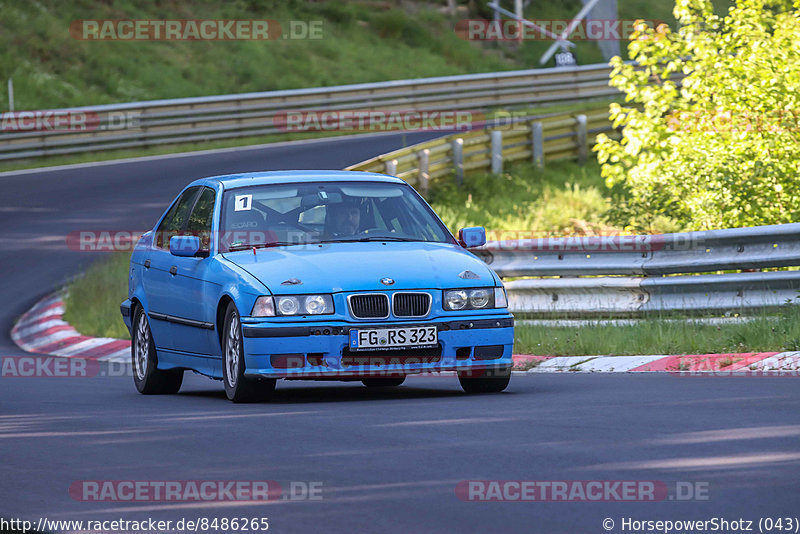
<point x="334" y="267"/>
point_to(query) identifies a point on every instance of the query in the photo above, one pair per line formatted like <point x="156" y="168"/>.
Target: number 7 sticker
<point x="243" y="203"/>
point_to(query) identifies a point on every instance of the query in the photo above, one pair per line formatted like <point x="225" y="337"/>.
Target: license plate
<point x="394" y="338"/>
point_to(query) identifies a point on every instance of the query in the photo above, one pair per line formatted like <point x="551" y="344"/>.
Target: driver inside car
<point x="343" y="219"/>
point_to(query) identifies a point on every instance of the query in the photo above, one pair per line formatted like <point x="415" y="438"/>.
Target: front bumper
<point x="320" y="349"/>
<point x="125" y="310"/>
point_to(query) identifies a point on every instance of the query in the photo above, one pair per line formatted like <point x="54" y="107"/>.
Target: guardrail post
<point x="458" y="159"/>
<point x="10" y="94"/>
<point x="497" y="151"/>
<point x="537" y="143"/>
<point x="391" y="167"/>
<point x="422" y="164"/>
<point x="583" y="143"/>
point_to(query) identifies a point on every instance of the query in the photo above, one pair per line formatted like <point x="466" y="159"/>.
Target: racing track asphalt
<point x="388" y="461"/>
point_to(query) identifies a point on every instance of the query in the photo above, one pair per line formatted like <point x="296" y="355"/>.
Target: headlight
<point x="317" y="305"/>
<point x="288" y="305"/>
<point x="479" y="298"/>
<point x="455" y="300"/>
<point x="305" y="305"/>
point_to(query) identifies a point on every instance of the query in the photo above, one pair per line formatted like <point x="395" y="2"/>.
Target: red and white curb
<point x="749" y="362"/>
<point x="43" y="331"/>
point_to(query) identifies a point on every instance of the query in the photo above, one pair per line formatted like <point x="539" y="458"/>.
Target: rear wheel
<point x="489" y="381"/>
<point x="383" y="382"/>
<point x="148" y="378"/>
<point x="238" y="387"/>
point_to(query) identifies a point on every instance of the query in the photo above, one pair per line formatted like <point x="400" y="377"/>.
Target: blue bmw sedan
<point x="314" y="275"/>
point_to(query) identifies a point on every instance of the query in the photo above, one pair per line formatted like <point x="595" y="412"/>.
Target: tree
<point x="722" y="149"/>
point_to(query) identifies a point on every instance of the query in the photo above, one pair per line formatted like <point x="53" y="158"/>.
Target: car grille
<point x="369" y="306"/>
<point x="411" y="304"/>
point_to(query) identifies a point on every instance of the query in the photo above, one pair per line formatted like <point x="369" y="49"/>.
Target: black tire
<point x="239" y="388"/>
<point x="383" y="382"/>
<point x="491" y="381"/>
<point x="148" y="378"/>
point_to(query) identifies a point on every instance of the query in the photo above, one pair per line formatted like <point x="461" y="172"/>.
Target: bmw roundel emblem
<point x="387" y="281"/>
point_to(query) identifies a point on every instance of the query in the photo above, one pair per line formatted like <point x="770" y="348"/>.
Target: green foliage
<point x="563" y="198"/>
<point x="722" y="150"/>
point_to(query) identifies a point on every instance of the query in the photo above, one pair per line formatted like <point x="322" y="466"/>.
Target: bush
<point x="722" y="150"/>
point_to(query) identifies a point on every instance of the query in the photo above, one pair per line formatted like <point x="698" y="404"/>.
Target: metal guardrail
<point x="666" y="266"/>
<point x="250" y="114"/>
<point x="537" y="138"/>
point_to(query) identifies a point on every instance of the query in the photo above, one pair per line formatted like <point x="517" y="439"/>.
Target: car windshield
<point x="326" y="212"/>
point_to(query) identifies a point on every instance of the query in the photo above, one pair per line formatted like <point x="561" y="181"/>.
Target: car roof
<point x="232" y="181"/>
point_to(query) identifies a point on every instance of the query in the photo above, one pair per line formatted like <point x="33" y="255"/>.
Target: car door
<point x="193" y="306"/>
<point x="156" y="278"/>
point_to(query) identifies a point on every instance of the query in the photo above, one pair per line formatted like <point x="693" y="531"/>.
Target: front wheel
<point x="489" y="381"/>
<point x="239" y="388"/>
<point x="148" y="378"/>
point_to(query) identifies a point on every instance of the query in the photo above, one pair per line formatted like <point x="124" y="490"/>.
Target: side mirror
<point x="184" y="245"/>
<point x="474" y="236"/>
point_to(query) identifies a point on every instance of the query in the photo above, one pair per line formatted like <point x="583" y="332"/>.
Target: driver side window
<point x="176" y="217"/>
<point x="201" y="218"/>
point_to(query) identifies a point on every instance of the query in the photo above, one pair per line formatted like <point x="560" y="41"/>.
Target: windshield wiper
<point x="369" y="238"/>
<point x="242" y="246"/>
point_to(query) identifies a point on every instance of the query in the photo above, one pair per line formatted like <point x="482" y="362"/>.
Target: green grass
<point x="362" y="42"/>
<point x="561" y="198"/>
<point x="765" y="332"/>
<point x="92" y="303"/>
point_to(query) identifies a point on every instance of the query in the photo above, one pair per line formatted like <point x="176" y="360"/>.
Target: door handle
<point x="146" y="264"/>
<point x="173" y="270"/>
